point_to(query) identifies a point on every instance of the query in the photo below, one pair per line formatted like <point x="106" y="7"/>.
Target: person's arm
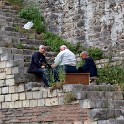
<point x="36" y="59"/>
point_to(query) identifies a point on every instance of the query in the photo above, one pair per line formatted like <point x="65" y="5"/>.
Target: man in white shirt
<point x="65" y="60"/>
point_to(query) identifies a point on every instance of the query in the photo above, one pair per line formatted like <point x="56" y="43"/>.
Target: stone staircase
<point x="106" y="102"/>
<point x="17" y="46"/>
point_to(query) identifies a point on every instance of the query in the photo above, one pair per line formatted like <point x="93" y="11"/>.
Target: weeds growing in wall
<point x="111" y="74"/>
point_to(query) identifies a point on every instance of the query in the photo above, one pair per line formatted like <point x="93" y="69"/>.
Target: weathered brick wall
<point x="48" y="115"/>
<point x="96" y="23"/>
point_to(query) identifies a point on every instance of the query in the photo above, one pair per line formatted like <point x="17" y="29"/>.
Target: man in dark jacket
<point x="89" y="65"/>
<point x="39" y="66"/>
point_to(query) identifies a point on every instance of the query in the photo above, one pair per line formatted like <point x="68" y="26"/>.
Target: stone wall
<point x="91" y="22"/>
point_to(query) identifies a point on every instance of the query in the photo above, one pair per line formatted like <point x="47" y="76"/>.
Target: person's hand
<point x="52" y="65"/>
<point x="42" y="66"/>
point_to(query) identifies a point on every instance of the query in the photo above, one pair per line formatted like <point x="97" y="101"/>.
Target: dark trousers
<point x="63" y="69"/>
<point x="44" y="73"/>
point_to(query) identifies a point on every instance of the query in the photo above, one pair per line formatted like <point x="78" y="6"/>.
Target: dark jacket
<point x="88" y="67"/>
<point x="38" y="60"/>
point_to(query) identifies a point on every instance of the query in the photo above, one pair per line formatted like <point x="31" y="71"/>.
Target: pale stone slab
<point x="9" y="76"/>
<point x="2" y="98"/>
<point x="22" y="96"/>
<point x="41" y="102"/>
<point x="12" y="89"/>
<point x="8" y="97"/>
<point x="33" y="103"/>
<point x="7" y="70"/>
<point x="15" y="70"/>
<point x="52" y="94"/>
<point x="2" y="82"/>
<point x="37" y="94"/>
<point x="26" y="103"/>
<point x="15" y="97"/>
<point x="2" y="75"/>
<point x="20" y="88"/>
<point x="29" y="95"/>
<point x="5" y="90"/>
<point x="12" y="105"/>
<point x="5" y="104"/>
<point x="18" y="104"/>
<point x="51" y="102"/>
<point x="2" y="64"/>
<point x="10" y="82"/>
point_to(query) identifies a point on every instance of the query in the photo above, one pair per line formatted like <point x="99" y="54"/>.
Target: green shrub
<point x="69" y="97"/>
<point x="95" y="53"/>
<point x="32" y="13"/>
<point x="55" y="42"/>
<point x="112" y="75"/>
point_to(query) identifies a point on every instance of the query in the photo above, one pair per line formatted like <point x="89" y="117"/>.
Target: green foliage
<point x="55" y="42"/>
<point x="69" y="97"/>
<point x="95" y="53"/>
<point x="80" y="63"/>
<point x="113" y="75"/>
<point x="32" y="13"/>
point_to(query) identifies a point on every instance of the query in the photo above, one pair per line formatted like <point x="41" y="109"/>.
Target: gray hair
<point x="63" y="46"/>
<point x="41" y="46"/>
<point x="84" y="52"/>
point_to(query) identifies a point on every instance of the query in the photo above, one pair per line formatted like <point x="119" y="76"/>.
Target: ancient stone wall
<point x="97" y="23"/>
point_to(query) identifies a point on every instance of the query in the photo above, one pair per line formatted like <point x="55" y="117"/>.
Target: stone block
<point x="51" y="101"/>
<point x="5" y="105"/>
<point x="52" y="94"/>
<point x="33" y="103"/>
<point x="12" y="105"/>
<point x="15" y="97"/>
<point x="21" y="96"/>
<point x="18" y="104"/>
<point x="9" y="76"/>
<point x="61" y="100"/>
<point x="29" y="95"/>
<point x="2" y="83"/>
<point x="95" y="122"/>
<point x="5" y="90"/>
<point x="15" y="70"/>
<point x="16" y="51"/>
<point x="41" y="102"/>
<point x="25" y="103"/>
<point x="37" y="94"/>
<point x="5" y="50"/>
<point x="6" y="56"/>
<point x="78" y="122"/>
<point x="18" y="57"/>
<point x="20" y="88"/>
<point x="2" y="75"/>
<point x="12" y="89"/>
<point x="7" y="70"/>
<point x="10" y="82"/>
<point x="8" y="97"/>
<point x="9" y="63"/>
<point x="2" y="98"/>
<point x="45" y="93"/>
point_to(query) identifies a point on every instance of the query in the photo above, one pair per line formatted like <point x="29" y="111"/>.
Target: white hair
<point x="41" y="46"/>
<point x="84" y="52"/>
<point x="63" y="46"/>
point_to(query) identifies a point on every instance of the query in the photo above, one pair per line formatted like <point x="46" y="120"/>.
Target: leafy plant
<point x="95" y="53"/>
<point x="69" y="97"/>
<point x="33" y="14"/>
<point x="55" y="42"/>
<point x="113" y="75"/>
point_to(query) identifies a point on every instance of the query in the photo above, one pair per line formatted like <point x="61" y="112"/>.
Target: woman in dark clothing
<point x="89" y="65"/>
<point x="39" y="66"/>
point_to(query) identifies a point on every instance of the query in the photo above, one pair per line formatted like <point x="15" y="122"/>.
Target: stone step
<point x="31" y="41"/>
<point x="113" y="95"/>
<point x="106" y="114"/>
<point x="80" y="88"/>
<point x="98" y="103"/>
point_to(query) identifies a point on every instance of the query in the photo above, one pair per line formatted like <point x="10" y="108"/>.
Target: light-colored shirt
<point x="65" y="57"/>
